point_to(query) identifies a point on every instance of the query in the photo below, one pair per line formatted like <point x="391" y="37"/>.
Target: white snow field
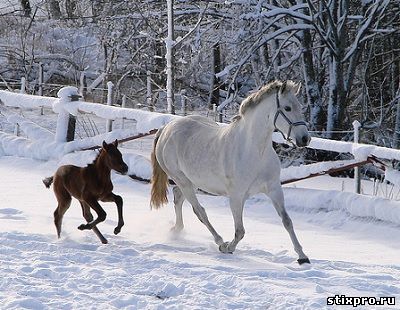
<point x="148" y="267"/>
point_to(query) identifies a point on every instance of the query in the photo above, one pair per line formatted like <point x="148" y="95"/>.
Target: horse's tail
<point x="48" y="181"/>
<point x="159" y="179"/>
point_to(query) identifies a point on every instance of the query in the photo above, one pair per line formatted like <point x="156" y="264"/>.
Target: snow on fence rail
<point x="56" y="148"/>
<point x="147" y="121"/>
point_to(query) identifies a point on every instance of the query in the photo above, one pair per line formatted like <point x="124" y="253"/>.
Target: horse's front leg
<point x="101" y="214"/>
<point x="119" y="202"/>
<point x="89" y="217"/>
<point x="236" y="205"/>
<point x="276" y="195"/>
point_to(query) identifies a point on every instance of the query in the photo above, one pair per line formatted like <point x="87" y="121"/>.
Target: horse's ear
<point x="116" y="142"/>
<point x="105" y="145"/>
<point x="283" y="87"/>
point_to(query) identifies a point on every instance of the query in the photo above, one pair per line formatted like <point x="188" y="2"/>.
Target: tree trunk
<point x="215" y="83"/>
<point x="337" y="90"/>
<point x="54" y="9"/>
<point x="26" y="8"/>
<point x="396" y="135"/>
<point x="70" y="7"/>
<point x="170" y="58"/>
<point x="313" y="91"/>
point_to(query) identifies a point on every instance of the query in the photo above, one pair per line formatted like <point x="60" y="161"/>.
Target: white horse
<point x="236" y="161"/>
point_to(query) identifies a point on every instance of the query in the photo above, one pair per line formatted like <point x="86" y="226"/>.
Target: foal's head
<point x="113" y="157"/>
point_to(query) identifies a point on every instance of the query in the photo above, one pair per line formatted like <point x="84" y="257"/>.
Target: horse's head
<point x="114" y="157"/>
<point x="289" y="119"/>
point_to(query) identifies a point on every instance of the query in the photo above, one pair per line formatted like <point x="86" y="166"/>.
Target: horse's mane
<point x="95" y="160"/>
<point x="255" y="98"/>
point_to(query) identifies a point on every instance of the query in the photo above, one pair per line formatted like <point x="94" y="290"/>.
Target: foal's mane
<point x="96" y="159"/>
<point x="255" y="98"/>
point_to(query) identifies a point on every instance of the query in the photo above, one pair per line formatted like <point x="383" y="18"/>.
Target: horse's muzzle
<point x="124" y="169"/>
<point x="303" y="140"/>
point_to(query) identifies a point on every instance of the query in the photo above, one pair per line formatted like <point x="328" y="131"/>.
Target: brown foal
<point x="89" y="185"/>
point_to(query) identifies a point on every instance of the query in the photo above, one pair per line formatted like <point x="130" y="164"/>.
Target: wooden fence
<point x="68" y="106"/>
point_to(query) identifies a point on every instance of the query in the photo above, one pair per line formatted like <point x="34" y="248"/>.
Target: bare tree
<point x="70" y="8"/>
<point x="26" y="8"/>
<point x="54" y="9"/>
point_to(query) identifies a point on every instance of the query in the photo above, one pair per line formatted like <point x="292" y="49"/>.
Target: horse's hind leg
<point x="64" y="201"/>
<point x="276" y="196"/>
<point x="178" y="202"/>
<point x="62" y="207"/>
<point x="89" y="217"/>
<point x="190" y="195"/>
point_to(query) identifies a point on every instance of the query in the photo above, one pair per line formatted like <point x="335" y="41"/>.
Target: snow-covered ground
<point x="148" y="267"/>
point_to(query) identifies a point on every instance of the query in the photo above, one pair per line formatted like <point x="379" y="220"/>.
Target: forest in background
<point x="346" y="53"/>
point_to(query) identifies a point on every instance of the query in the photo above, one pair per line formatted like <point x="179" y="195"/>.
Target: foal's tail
<point x="48" y="181"/>
<point x="159" y="179"/>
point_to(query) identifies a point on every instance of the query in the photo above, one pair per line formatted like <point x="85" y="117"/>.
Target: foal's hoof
<point x="117" y="230"/>
<point x="84" y="227"/>
<point x="224" y="248"/>
<point x="301" y="261"/>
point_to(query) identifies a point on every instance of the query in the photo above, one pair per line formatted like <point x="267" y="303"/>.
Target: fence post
<point x="23" y="85"/>
<point x="82" y="84"/>
<point x="110" y="86"/>
<point x="357" y="178"/>
<point x="16" y="130"/>
<point x="183" y="102"/>
<point x="123" y="105"/>
<point x="217" y="114"/>
<point x="40" y="91"/>
<point x="149" y="100"/>
<point x="72" y="121"/>
<point x="65" y="125"/>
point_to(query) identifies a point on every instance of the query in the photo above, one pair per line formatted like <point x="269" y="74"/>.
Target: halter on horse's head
<point x="288" y="119"/>
<point x="282" y="108"/>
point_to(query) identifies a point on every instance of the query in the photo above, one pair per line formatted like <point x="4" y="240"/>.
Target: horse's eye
<point x="288" y="109"/>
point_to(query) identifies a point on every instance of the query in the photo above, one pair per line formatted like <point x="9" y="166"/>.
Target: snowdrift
<point x="369" y="207"/>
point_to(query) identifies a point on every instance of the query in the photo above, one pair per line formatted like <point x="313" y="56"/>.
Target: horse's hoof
<point x="117" y="230"/>
<point x="301" y="261"/>
<point x="104" y="241"/>
<point x="84" y="227"/>
<point x="176" y="229"/>
<point x="224" y="248"/>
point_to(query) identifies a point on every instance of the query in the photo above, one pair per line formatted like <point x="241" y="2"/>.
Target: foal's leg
<point x="276" y="195"/>
<point x="178" y="202"/>
<point x="236" y="205"/>
<point x="64" y="201"/>
<point x="119" y="202"/>
<point x="101" y="214"/>
<point x="190" y="195"/>
<point x="89" y="217"/>
<point x="62" y="207"/>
